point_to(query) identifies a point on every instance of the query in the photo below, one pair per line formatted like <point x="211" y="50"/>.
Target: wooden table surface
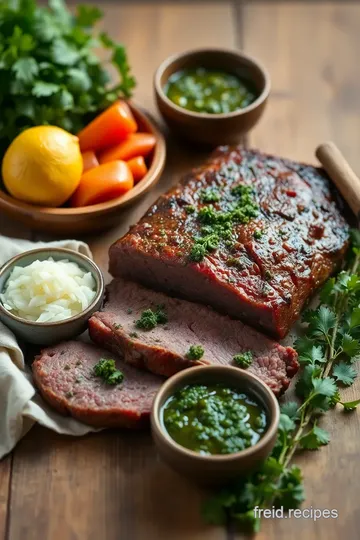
<point x="112" y="486"/>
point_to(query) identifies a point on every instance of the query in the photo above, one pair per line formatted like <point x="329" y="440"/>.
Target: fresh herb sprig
<point x="49" y="73"/>
<point x="327" y="353"/>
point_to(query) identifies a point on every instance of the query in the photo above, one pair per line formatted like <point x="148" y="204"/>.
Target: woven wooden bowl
<point x="72" y="221"/>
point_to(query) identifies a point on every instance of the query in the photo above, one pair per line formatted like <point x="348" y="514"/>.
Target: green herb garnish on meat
<point x="218" y="225"/>
<point x="258" y="234"/>
<point x="190" y="209"/>
<point x="243" y="360"/>
<point x="150" y="319"/>
<point x="106" y="369"/>
<point x="49" y="72"/>
<point x="195" y="352"/>
<point x="210" y="195"/>
<point x="327" y="353"/>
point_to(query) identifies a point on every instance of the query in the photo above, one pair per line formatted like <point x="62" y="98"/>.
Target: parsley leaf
<point x="48" y="70"/>
<point x="291" y="409"/>
<point x="344" y="373"/>
<point x="315" y="438"/>
<point x="350" y="405"/>
<point x="26" y="69"/>
<point x="285" y="423"/>
<point x="88" y="15"/>
<point x="355" y="317"/>
<point x="324" y="322"/>
<point x="290" y="492"/>
<point x="44" y="89"/>
<point x="350" y="346"/>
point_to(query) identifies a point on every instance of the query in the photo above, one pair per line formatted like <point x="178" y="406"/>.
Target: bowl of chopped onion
<point x="48" y="294"/>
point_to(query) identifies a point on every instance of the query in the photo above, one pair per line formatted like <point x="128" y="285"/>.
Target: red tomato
<point x="109" y="128"/>
<point x="138" y="168"/>
<point x="103" y="183"/>
<point x="89" y="160"/>
<point x="136" y="144"/>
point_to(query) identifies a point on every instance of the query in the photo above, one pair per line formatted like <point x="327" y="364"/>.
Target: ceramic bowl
<point x="214" y="469"/>
<point x="65" y="220"/>
<point x="205" y="128"/>
<point x="51" y="332"/>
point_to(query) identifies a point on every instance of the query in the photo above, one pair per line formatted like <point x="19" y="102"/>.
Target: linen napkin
<point x="20" y="405"/>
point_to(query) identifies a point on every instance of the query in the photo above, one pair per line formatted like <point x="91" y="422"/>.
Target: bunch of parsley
<point x="49" y="73"/>
<point x="327" y="353"/>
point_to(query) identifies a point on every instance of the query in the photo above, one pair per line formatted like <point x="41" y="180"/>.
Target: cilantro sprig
<point x="49" y="73"/>
<point x="327" y="352"/>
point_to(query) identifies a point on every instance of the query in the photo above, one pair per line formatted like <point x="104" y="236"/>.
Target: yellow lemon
<point x="43" y="165"/>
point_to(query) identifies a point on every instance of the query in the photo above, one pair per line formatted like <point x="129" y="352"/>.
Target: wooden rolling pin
<point x="340" y="172"/>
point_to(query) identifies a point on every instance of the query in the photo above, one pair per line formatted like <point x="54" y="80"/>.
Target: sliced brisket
<point x="163" y="349"/>
<point x="64" y="375"/>
<point x="271" y="266"/>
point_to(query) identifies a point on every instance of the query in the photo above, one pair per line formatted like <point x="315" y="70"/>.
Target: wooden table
<point x="112" y="486"/>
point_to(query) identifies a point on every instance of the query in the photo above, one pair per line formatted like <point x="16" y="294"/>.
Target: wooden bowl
<point x="205" y="128"/>
<point x="72" y="221"/>
<point x="215" y="469"/>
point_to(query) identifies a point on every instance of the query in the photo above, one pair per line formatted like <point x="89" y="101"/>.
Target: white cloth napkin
<point x="20" y="405"/>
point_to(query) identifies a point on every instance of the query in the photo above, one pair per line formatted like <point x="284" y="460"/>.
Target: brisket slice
<point x="65" y="379"/>
<point x="263" y="281"/>
<point x="163" y="349"/>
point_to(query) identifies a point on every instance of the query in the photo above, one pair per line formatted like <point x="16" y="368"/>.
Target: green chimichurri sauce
<point x="214" y="419"/>
<point x="206" y="91"/>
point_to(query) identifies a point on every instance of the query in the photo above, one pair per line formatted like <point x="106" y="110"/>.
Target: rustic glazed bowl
<point x="214" y="469"/>
<point x="205" y="128"/>
<point x="51" y="332"/>
<point x="65" y="220"/>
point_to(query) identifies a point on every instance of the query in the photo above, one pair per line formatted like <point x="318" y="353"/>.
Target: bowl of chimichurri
<point x="214" y="423"/>
<point x="211" y="96"/>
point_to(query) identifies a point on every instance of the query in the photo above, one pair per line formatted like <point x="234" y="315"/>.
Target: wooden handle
<point x="341" y="174"/>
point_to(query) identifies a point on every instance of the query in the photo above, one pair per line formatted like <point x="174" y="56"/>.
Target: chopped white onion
<point x="48" y="291"/>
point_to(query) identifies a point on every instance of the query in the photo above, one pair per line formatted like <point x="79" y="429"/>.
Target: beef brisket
<point x="64" y="375"/>
<point x="267" y="269"/>
<point x="163" y="349"/>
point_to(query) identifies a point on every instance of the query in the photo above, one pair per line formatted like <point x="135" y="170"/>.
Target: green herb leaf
<point x="355" y="317"/>
<point x="26" y="69"/>
<point x="315" y="438"/>
<point x="324" y="387"/>
<point x="286" y="424"/>
<point x="313" y="356"/>
<point x="290" y="493"/>
<point x="291" y="409"/>
<point x="350" y="405"/>
<point x="327" y="292"/>
<point x="88" y="15"/>
<point x="325" y="321"/>
<point x="44" y="89"/>
<point x="350" y="346"/>
<point x="344" y="373"/>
